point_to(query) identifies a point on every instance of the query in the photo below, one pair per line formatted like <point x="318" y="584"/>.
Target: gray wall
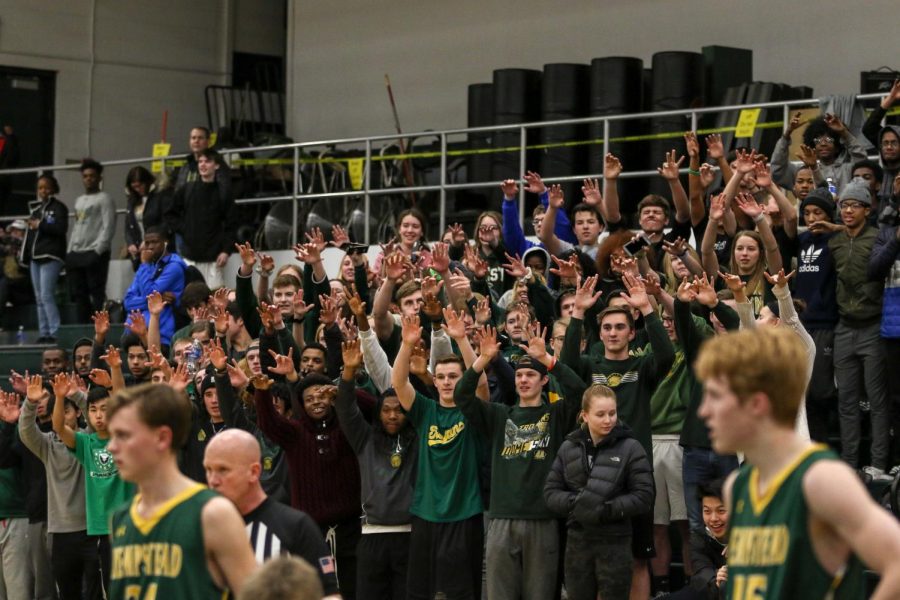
<point x="121" y="63"/>
<point x="434" y="49"/>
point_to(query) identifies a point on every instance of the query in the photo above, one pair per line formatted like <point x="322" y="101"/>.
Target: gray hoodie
<point x="65" y="475"/>
<point x="95" y="223"/>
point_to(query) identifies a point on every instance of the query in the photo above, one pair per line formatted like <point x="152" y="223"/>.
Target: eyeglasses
<point x="890" y="143"/>
<point x="537" y="222"/>
<point x="824" y="139"/>
<point x="852" y="205"/>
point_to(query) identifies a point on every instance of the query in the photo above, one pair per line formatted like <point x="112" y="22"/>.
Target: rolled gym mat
<point x="678" y="82"/>
<point x="616" y="87"/>
<point x="517" y="99"/>
<point x="564" y="95"/>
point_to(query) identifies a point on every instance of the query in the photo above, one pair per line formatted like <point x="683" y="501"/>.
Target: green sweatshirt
<point x="633" y="379"/>
<point x="12" y="502"/>
<point x="523" y="443"/>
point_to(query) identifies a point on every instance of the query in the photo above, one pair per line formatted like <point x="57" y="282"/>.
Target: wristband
<point x="759" y="217"/>
<point x="693" y="172"/>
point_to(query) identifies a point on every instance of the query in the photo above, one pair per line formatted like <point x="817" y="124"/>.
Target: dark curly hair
<point x="817" y="127"/>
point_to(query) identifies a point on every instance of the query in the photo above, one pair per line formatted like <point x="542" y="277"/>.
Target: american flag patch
<point x="326" y="564"/>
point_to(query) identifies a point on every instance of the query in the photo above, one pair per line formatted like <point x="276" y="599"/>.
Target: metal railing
<point x="368" y="192"/>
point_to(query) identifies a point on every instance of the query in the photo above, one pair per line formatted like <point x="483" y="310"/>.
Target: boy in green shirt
<point x="446" y="542"/>
<point x="104" y="491"/>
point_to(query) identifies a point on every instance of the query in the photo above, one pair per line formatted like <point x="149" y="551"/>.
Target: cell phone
<point x="637" y="244"/>
<point x="357" y="248"/>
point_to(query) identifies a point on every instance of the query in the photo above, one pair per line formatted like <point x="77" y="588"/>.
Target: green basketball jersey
<point x="162" y="557"/>
<point x="770" y="552"/>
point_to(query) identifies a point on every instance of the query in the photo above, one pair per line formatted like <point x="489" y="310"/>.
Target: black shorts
<point x="445" y="557"/>
<point x="642" y="536"/>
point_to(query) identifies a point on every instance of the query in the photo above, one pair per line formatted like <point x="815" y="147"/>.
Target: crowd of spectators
<point x="493" y="412"/>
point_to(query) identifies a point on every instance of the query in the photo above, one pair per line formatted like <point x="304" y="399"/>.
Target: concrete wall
<point x="433" y="50"/>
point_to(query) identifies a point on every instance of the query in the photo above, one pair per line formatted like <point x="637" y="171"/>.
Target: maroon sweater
<point x="324" y="473"/>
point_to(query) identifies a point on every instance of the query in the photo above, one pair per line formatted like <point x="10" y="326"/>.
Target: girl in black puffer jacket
<point x="600" y="479"/>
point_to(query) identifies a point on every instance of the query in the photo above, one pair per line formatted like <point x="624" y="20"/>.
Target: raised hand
<point x="763" y="175"/>
<point x="748" y="205"/>
<point x="410" y="331"/>
<point x="515" y="267"/>
<point x="155" y="303"/>
<point x="219" y="298"/>
<point x="261" y="382"/>
<point x="284" y="365"/>
<point x="676" y="248"/>
<point x="300" y="308"/>
<point x="137" y="325"/>
<point x="534" y="184"/>
<point x="453" y="324"/>
<point x="180" y="378"/>
<point x="510" y="188"/>
<point x="457" y="234"/>
<point x="418" y="360"/>
<point x="112" y="358"/>
<point x="705" y="292"/>
<point x="892" y="96"/>
<point x="793" y="124"/>
<point x="715" y="149"/>
<point x="440" y="257"/>
<point x="308" y="253"/>
<point x="566" y="268"/>
<point x="669" y="169"/>
<point x="217" y="355"/>
<point x="316" y="239"/>
<point x="779" y="280"/>
<point x="686" y="292"/>
<point x="557" y="197"/>
<point x="707" y="175"/>
<point x="432" y="308"/>
<point x="652" y="284"/>
<point x="328" y="310"/>
<point x="101" y="378"/>
<point x="396" y="266"/>
<point x="717" y="208"/>
<point x="625" y="264"/>
<point x="693" y="146"/>
<point x="60" y="386"/>
<point x="357" y="306"/>
<point x="352" y="355"/>
<point x="590" y="188"/>
<point x="612" y="166"/>
<point x="808" y="156"/>
<point x="35" y="388"/>
<point x="732" y="282"/>
<point x="349" y="329"/>
<point x="9" y="407"/>
<point x="585" y="298"/>
<point x="18" y="382"/>
<point x="266" y="317"/>
<point x="489" y="347"/>
<point x="483" y="311"/>
<point x="101" y="324"/>
<point x="248" y="255"/>
<point x="431" y="285"/>
<point x="744" y="161"/>
<point x="339" y="236"/>
<point x="637" y="293"/>
<point x="460" y="284"/>
<point x="220" y="320"/>
<point x="236" y="376"/>
<point x="536" y="342"/>
<point x="835" y="124"/>
<point x="475" y="263"/>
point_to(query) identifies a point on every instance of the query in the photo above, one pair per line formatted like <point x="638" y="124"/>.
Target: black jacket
<point x="154" y="215"/>
<point x="206" y="220"/>
<point x="48" y="241"/>
<point x="706" y="559"/>
<point x="599" y="488"/>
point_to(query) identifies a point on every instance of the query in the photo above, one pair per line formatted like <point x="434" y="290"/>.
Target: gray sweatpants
<point x="859" y="365"/>
<point x="16" y="582"/>
<point x="522" y="557"/>
<point x="39" y="555"/>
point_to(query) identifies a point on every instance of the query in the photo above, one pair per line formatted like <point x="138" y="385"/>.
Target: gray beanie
<point x="857" y="190"/>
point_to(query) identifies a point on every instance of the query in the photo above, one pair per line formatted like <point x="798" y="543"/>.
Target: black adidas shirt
<point x="275" y="528"/>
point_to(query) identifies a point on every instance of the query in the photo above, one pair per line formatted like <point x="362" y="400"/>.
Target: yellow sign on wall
<point x="746" y="124"/>
<point x="159" y="151"/>
<point x="355" y="169"/>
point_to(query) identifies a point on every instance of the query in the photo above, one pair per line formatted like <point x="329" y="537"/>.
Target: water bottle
<point x="193" y="358"/>
<point x="831" y="187"/>
<point x="20" y="335"/>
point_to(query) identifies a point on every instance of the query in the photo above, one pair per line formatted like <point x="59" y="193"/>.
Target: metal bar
<point x="603" y="154"/>
<point x="488" y="128"/>
<point x="523" y="138"/>
<point x="442" y="219"/>
<point x="367" y="198"/>
<point x="295" y="200"/>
